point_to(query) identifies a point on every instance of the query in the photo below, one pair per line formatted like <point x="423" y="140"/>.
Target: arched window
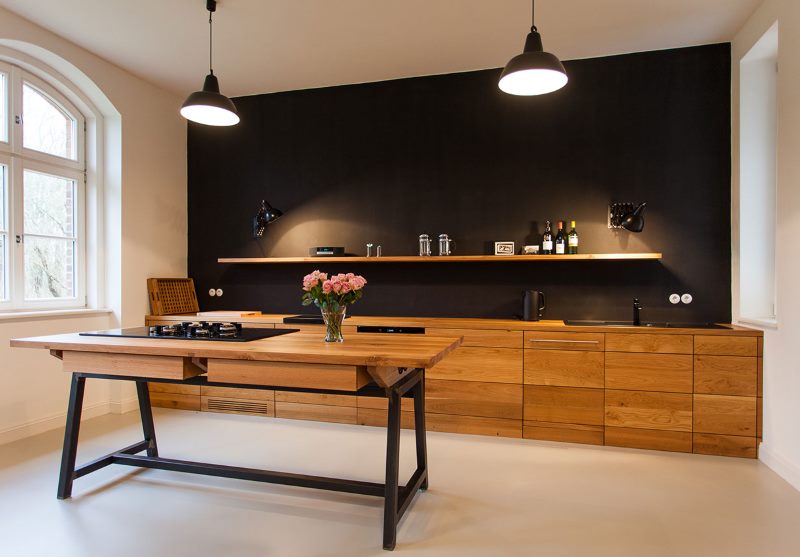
<point x="42" y="195"/>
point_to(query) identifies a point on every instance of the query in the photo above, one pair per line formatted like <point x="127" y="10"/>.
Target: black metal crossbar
<point x="397" y="498"/>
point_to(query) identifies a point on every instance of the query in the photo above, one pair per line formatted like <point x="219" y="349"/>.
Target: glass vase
<point x="333" y="319"/>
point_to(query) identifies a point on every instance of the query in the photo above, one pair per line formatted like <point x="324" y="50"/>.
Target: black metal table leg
<point x="419" y="430"/>
<point x="390" y="504"/>
<point x="70" y="450"/>
<point x="146" y="412"/>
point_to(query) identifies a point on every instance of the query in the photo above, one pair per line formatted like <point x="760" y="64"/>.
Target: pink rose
<point x="327" y="287"/>
<point x="345" y="288"/>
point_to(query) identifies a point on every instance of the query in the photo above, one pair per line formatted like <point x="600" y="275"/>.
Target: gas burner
<point x="197" y="329"/>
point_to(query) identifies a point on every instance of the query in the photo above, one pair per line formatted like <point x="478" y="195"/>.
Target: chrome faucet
<point x="637" y="309"/>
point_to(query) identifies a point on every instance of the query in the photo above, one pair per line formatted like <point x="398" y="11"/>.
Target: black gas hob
<point x="195" y="330"/>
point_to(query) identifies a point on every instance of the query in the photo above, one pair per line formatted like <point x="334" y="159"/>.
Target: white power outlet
<point x="674" y="298"/>
<point x="687" y="298"/>
<point x="212" y="292"/>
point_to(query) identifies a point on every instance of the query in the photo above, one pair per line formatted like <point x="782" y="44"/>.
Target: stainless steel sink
<point x="658" y="324"/>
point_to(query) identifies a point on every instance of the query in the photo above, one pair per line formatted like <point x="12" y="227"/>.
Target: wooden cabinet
<point x="659" y="390"/>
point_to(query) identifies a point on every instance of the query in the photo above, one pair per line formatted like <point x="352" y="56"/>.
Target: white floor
<point x="488" y="496"/>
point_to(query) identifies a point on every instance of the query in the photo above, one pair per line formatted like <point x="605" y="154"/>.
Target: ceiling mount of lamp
<point x="208" y="106"/>
<point x="534" y="72"/>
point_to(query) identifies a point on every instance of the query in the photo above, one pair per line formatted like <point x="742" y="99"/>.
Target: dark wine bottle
<point x="547" y="239"/>
<point x="572" y="247"/>
<point x="561" y="239"/>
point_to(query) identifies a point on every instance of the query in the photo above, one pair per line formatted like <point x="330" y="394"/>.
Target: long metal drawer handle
<point x="572" y="341"/>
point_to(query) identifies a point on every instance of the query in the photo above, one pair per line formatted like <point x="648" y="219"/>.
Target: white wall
<point x="144" y="225"/>
<point x="781" y="447"/>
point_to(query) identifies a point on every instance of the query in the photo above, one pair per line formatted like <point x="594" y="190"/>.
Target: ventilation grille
<point x="238" y="406"/>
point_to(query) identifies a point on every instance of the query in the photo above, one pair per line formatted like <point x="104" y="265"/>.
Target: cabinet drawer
<point x="316" y="412"/>
<point x="725" y="445"/>
<point x="568" y="405"/>
<point x="649" y="372"/>
<point x="284" y="374"/>
<point x="174" y="388"/>
<point x="175" y="400"/>
<point x="315" y="398"/>
<point x="565" y="433"/>
<point x="564" y="368"/>
<point x="489" y="338"/>
<point x="726" y="375"/>
<point x="495" y="365"/>
<point x="498" y="427"/>
<point x="542" y="340"/>
<point x="381" y="403"/>
<point x="726" y="415"/>
<point x="376" y="417"/>
<point x="725" y="346"/>
<point x="656" y="440"/>
<point x="649" y="410"/>
<point x="468" y="398"/>
<point x="653" y="343"/>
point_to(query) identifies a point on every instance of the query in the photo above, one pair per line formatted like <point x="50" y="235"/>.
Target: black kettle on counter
<point x="532" y="305"/>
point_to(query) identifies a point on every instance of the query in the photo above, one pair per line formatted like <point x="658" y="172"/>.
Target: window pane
<point x="3" y="244"/>
<point x="46" y="127"/>
<point x="3" y="107"/>
<point x="3" y="202"/>
<point x="49" y="268"/>
<point x="49" y="204"/>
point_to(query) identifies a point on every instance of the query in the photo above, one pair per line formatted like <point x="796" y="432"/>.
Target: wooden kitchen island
<point x="369" y="366"/>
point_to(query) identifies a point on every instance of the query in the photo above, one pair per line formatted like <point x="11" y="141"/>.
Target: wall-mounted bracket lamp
<point x="267" y="214"/>
<point x="629" y="216"/>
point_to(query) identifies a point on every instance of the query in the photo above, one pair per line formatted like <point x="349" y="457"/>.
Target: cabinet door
<point x="649" y="410"/>
<point x="494" y="365"/>
<point x="471" y="398"/>
<point x="650" y="343"/>
<point x="543" y="340"/>
<point x="649" y="372"/>
<point x="568" y="405"/>
<point x="564" y="368"/>
<point x="488" y="338"/>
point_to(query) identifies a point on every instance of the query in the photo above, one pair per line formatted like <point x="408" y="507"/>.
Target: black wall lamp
<point x="534" y="72"/>
<point x="629" y="216"/>
<point x="267" y="214"/>
<point x="209" y="106"/>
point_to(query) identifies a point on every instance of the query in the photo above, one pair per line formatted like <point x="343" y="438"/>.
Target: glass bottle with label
<point x="561" y="239"/>
<point x="547" y="239"/>
<point x="572" y="247"/>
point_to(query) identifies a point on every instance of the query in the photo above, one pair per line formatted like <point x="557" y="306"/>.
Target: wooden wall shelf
<point x="447" y="259"/>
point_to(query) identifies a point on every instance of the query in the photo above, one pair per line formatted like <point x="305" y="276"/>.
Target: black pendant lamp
<point x="534" y="72"/>
<point x="209" y="106"/>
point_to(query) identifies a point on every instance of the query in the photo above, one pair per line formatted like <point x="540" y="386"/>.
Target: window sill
<point x="37" y="314"/>
<point x="758" y="322"/>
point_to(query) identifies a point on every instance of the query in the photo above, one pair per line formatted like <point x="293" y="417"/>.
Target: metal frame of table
<point x="397" y="498"/>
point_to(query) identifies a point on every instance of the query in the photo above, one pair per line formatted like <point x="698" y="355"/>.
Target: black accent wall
<point x="385" y="162"/>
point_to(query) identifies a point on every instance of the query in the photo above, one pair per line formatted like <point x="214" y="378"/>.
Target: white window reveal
<point x="42" y="190"/>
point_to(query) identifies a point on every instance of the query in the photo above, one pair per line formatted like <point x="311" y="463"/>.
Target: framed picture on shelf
<point x="504" y="248"/>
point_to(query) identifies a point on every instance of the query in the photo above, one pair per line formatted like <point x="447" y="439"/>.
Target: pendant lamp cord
<point x="210" y="43"/>
<point x="533" y="15"/>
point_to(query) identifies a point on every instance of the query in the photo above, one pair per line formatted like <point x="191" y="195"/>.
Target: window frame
<point x="18" y="158"/>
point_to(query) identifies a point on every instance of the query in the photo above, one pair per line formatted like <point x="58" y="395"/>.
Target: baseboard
<point x="780" y="465"/>
<point x="124" y="406"/>
<point x="51" y="422"/>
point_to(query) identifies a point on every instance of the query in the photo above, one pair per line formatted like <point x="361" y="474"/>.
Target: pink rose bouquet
<point x="331" y="294"/>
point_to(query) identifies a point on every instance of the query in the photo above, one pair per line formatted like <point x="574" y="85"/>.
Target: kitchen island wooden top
<point x="416" y="351"/>
<point x="479" y="323"/>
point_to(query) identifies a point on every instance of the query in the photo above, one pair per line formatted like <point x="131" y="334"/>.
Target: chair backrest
<point x="169" y="296"/>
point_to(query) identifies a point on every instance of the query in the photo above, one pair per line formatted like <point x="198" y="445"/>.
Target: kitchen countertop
<point x="478" y="323"/>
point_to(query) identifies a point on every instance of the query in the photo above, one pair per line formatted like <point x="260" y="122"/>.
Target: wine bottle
<point x="547" y="239"/>
<point x="572" y="239"/>
<point x="561" y="239"/>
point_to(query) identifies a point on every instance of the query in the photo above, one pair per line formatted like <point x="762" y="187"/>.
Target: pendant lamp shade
<point x="534" y="72"/>
<point x="209" y="106"/>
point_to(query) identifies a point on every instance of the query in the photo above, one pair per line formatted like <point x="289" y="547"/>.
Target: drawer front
<point x="468" y="398"/>
<point x="568" y="405"/>
<point x="175" y="388"/>
<point x="656" y="440"/>
<point x="316" y="412"/>
<point x="381" y="403"/>
<point x="497" y="427"/>
<point x="175" y="400"/>
<point x="488" y="338"/>
<point x="283" y="374"/>
<point x="726" y="375"/>
<point x="542" y="340"/>
<point x="496" y="365"/>
<point x="133" y="365"/>
<point x="649" y="372"/>
<point x="649" y="410"/>
<point x="315" y="398"/>
<point x="564" y="368"/>
<point x="376" y="417"/>
<point x="725" y="346"/>
<point x="232" y="392"/>
<point x="565" y="433"/>
<point x="725" y="445"/>
<point x="653" y="343"/>
<point x="725" y="415"/>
